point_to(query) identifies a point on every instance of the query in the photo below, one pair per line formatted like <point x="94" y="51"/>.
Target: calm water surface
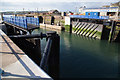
<point x="82" y="57"/>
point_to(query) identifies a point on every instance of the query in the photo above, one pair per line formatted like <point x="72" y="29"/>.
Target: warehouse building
<point x="112" y="12"/>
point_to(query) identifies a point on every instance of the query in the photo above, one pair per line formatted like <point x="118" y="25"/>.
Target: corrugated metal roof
<point x="89" y="17"/>
<point x="102" y="8"/>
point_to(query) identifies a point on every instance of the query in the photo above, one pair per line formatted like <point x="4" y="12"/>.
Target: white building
<point x="67" y="20"/>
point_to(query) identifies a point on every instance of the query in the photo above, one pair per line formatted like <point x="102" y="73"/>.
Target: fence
<point x="32" y="20"/>
<point x="21" y="21"/>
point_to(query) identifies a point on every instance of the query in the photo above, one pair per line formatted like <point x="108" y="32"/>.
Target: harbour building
<point x="113" y="11"/>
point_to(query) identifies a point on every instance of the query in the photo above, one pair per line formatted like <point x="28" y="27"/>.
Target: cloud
<point x="71" y="6"/>
<point x="59" y="0"/>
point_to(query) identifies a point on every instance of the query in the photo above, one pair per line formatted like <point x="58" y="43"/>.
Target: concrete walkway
<point x="16" y="64"/>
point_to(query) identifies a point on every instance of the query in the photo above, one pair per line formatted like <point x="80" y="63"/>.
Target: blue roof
<point x="102" y="8"/>
<point x="89" y="17"/>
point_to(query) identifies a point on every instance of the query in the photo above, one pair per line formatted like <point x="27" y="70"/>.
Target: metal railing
<point x="19" y="21"/>
<point x="32" y="20"/>
<point x="22" y="21"/>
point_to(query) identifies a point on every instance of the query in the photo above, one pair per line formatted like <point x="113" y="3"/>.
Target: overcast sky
<point x="62" y="5"/>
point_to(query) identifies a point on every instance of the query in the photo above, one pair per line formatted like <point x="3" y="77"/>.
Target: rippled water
<point x="82" y="57"/>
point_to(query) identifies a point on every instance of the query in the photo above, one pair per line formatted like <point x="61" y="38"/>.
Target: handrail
<point x="19" y="21"/>
<point x="32" y="20"/>
<point x="22" y="21"/>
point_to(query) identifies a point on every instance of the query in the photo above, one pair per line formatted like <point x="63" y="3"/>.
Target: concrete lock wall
<point x="88" y="29"/>
<point x="3" y="28"/>
<point x="67" y="20"/>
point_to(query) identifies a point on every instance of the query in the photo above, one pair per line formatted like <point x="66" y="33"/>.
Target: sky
<point x="59" y="0"/>
<point x="43" y="5"/>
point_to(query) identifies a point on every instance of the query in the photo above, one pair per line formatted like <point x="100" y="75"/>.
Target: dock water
<point x="83" y="57"/>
